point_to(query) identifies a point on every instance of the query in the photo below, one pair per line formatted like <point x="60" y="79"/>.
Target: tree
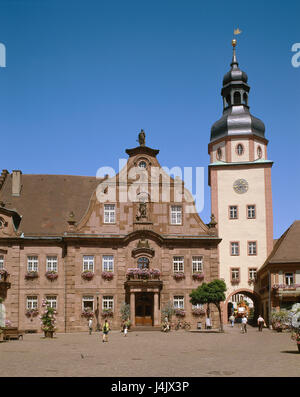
<point x="213" y="292"/>
<point x="125" y="311"/>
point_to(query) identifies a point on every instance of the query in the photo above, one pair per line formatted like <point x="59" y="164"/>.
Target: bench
<point x="12" y="333"/>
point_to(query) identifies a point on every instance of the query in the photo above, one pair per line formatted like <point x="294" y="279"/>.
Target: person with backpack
<point x="105" y="330"/>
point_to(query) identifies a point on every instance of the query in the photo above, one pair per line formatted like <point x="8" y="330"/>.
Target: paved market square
<point x="153" y="354"/>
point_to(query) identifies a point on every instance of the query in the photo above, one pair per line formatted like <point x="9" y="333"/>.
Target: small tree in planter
<point x="125" y="314"/>
<point x="280" y="320"/>
<point x="31" y="275"/>
<point x="107" y="275"/>
<point x="48" y="319"/>
<point x="179" y="276"/>
<point x="51" y="275"/>
<point x="87" y="275"/>
<point x="213" y="292"/>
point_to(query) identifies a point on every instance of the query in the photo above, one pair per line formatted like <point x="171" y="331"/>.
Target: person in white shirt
<point x="90" y="326"/>
<point x="244" y="324"/>
<point x="208" y="323"/>
<point x="260" y="323"/>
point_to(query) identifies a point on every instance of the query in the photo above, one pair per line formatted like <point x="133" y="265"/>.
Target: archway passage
<point x="242" y="301"/>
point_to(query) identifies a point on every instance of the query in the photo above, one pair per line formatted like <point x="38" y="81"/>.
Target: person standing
<point x="105" y="330"/>
<point x="260" y="323"/>
<point x="90" y="326"/>
<point x="231" y="319"/>
<point x="125" y="329"/>
<point x="244" y="324"/>
<point x="208" y="323"/>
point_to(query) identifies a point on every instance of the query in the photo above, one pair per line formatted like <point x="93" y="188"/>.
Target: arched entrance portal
<point x="234" y="299"/>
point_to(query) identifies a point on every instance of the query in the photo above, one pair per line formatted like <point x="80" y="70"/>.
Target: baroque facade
<point x="78" y="243"/>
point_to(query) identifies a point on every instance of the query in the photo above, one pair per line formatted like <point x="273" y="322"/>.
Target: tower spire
<point x="234" y="64"/>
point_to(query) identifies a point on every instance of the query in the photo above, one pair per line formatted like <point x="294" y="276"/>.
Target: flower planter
<point x="87" y="275"/>
<point x="31" y="275"/>
<point x="107" y="276"/>
<point x="51" y="275"/>
<point x="198" y="276"/>
<point x="179" y="276"/>
<point x="48" y="334"/>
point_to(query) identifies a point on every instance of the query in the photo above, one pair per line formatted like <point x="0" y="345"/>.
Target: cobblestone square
<point x="152" y="354"/>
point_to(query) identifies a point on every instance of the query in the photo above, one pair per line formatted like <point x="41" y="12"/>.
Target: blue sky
<point x="83" y="77"/>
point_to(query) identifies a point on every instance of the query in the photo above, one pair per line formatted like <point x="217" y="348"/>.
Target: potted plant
<point x="87" y="275"/>
<point x="179" y="276"/>
<point x="198" y="276"/>
<point x="48" y="319"/>
<point x="51" y="275"/>
<point x="280" y="320"/>
<point x="31" y="275"/>
<point x="107" y="275"/>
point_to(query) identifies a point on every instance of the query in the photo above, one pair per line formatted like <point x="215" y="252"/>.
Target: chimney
<point x="16" y="182"/>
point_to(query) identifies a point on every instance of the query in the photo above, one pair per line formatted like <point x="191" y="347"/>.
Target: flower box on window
<point x="179" y="312"/>
<point x="251" y="281"/>
<point x="87" y="275"/>
<point x="87" y="313"/>
<point x="154" y="273"/>
<point x="31" y="312"/>
<point x="235" y="281"/>
<point x="198" y="312"/>
<point x="107" y="275"/>
<point x="31" y="275"/>
<point x="51" y="275"/>
<point x="107" y="313"/>
<point x="198" y="276"/>
<point x="179" y="275"/>
<point x="3" y="274"/>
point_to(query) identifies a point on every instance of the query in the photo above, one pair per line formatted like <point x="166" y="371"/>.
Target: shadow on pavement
<point x="290" y="352"/>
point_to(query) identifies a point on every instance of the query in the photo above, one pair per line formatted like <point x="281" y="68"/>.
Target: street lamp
<point x="97" y="312"/>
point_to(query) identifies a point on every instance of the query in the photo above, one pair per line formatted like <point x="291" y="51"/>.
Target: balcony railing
<point x="285" y="287"/>
<point x="137" y="273"/>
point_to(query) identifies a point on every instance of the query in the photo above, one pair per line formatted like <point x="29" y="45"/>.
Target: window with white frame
<point x="197" y="264"/>
<point x="252" y="273"/>
<point x="52" y="301"/>
<point x="176" y="214"/>
<point x="289" y="278"/>
<point x="108" y="302"/>
<point x="88" y="263"/>
<point x="32" y="263"/>
<point x="178" y="302"/>
<point x="198" y="306"/>
<point x="178" y="264"/>
<point x="31" y="302"/>
<point x="235" y="248"/>
<point x="109" y="213"/>
<point x="233" y="212"/>
<point x="51" y="263"/>
<point x="1" y="262"/>
<point x="251" y="211"/>
<point x="88" y="303"/>
<point x="108" y="263"/>
<point x="235" y="274"/>
<point x="252" y="248"/>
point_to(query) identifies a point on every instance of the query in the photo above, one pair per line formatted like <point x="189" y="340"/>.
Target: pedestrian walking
<point x="125" y="330"/>
<point x="260" y="323"/>
<point x="232" y="319"/>
<point x="105" y="330"/>
<point x="90" y="326"/>
<point x="244" y="324"/>
<point x="208" y="323"/>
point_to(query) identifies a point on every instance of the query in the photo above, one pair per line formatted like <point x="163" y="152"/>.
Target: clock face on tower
<point x="240" y="186"/>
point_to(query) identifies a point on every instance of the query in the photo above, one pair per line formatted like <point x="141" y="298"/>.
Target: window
<point x="176" y="214"/>
<point x="235" y="248"/>
<point x="198" y="306"/>
<point x="142" y="164"/>
<point x="32" y="263"/>
<point x="143" y="263"/>
<point x="1" y="262"/>
<point x="108" y="302"/>
<point x="219" y="153"/>
<point x="88" y="303"/>
<point x="245" y="99"/>
<point x="197" y="264"/>
<point x="88" y="263"/>
<point x="178" y="302"/>
<point x="239" y="149"/>
<point x="252" y="249"/>
<point x="52" y="301"/>
<point x="109" y="213"/>
<point x="237" y="98"/>
<point x="252" y="274"/>
<point x="51" y="263"/>
<point x="289" y="278"/>
<point x="233" y="212"/>
<point x="251" y="213"/>
<point x="259" y="152"/>
<point x="178" y="264"/>
<point x="32" y="302"/>
<point x="108" y="263"/>
<point x="235" y="274"/>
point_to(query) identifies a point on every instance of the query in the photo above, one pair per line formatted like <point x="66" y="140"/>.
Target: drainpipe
<point x="269" y="303"/>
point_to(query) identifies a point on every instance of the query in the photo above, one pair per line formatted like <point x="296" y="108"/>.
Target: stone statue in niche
<point x="141" y="212"/>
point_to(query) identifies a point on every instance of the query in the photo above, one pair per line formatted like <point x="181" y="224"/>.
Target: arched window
<point x="259" y="152"/>
<point x="237" y="98"/>
<point x="143" y="263"/>
<point x="245" y="99"/>
<point x="239" y="149"/>
<point x="219" y="153"/>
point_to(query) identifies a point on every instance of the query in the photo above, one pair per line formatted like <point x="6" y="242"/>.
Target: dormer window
<point x="239" y="149"/>
<point x="143" y="164"/>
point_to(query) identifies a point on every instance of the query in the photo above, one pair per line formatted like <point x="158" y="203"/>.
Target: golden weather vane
<point x="235" y="33"/>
